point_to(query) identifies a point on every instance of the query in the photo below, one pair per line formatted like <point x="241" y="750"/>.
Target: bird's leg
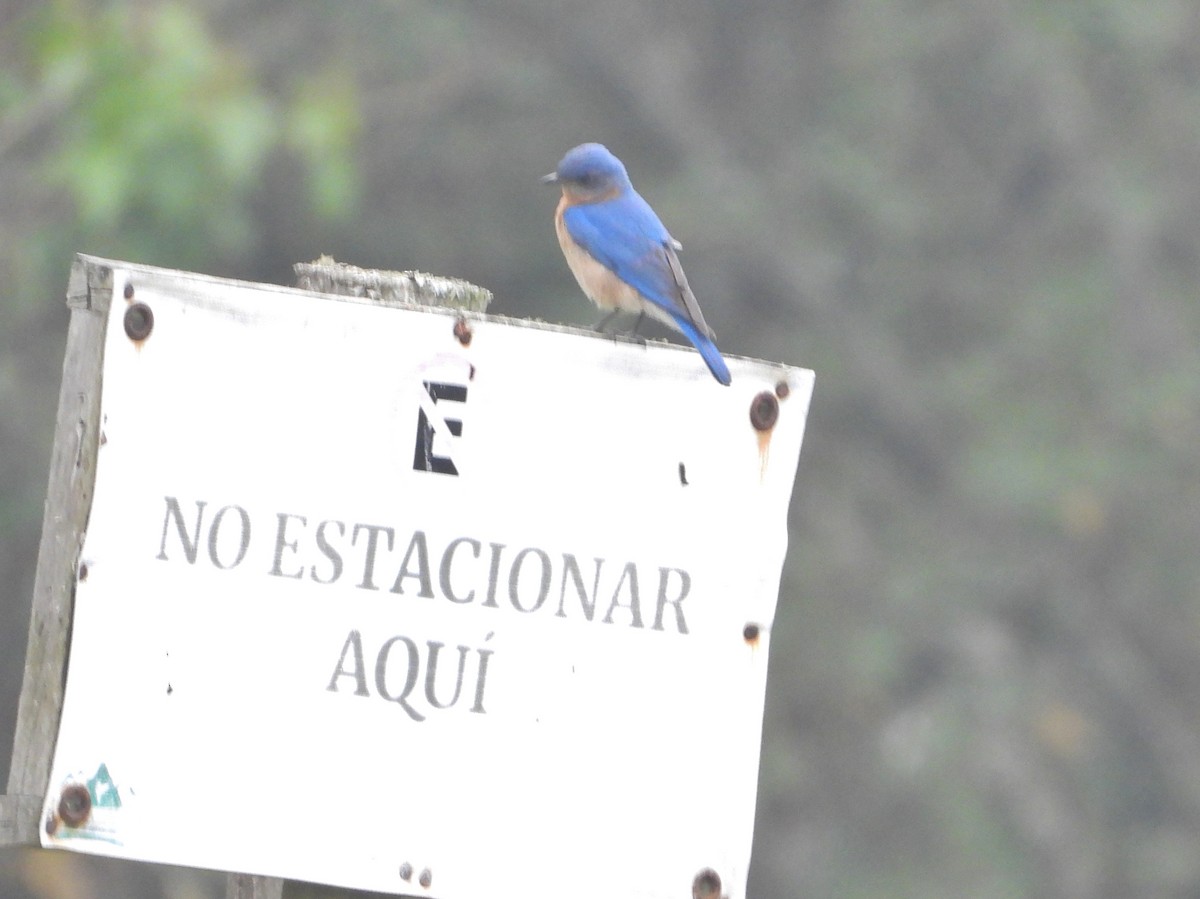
<point x="633" y="334"/>
<point x="603" y="323"/>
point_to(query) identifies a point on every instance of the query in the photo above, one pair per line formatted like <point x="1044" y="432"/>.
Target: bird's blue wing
<point x="625" y="236"/>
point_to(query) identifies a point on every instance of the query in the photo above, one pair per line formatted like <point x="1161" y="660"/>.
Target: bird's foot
<point x="630" y="334"/>
<point x="601" y="327"/>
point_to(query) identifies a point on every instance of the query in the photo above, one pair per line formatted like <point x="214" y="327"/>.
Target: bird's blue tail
<point x="708" y="351"/>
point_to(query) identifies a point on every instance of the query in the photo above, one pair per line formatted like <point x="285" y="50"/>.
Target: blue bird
<point x="619" y="251"/>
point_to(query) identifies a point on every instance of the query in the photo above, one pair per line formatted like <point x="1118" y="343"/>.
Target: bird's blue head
<point x="589" y="173"/>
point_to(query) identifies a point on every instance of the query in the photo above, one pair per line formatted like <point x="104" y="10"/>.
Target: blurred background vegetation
<point x="977" y="221"/>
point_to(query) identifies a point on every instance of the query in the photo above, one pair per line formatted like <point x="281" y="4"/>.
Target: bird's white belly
<point x="600" y="285"/>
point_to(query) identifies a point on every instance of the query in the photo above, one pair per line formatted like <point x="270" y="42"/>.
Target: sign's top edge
<point x="91" y="262"/>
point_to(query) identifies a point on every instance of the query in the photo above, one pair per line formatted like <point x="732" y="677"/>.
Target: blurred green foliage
<point x="162" y="133"/>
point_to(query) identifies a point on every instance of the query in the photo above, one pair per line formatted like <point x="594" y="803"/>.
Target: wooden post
<point x="249" y="886"/>
<point x="325" y="275"/>
<point x="68" y="502"/>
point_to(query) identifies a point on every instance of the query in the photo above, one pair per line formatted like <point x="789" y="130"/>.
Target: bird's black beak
<point x="552" y="178"/>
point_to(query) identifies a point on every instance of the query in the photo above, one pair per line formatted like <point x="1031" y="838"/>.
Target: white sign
<point x="396" y="601"/>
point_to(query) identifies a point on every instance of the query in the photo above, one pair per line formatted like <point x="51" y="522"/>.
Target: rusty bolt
<point x="764" y="411"/>
<point x="75" y="805"/>
<point x="139" y="321"/>
<point x="83" y="571"/>
<point x="706" y="885"/>
<point x="750" y="633"/>
<point x="51" y="825"/>
<point x="426" y="878"/>
<point x="462" y="331"/>
<point x="782" y="389"/>
<point x="129" y="290"/>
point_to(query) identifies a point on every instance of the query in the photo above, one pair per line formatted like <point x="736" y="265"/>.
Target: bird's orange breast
<point x="602" y="287"/>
